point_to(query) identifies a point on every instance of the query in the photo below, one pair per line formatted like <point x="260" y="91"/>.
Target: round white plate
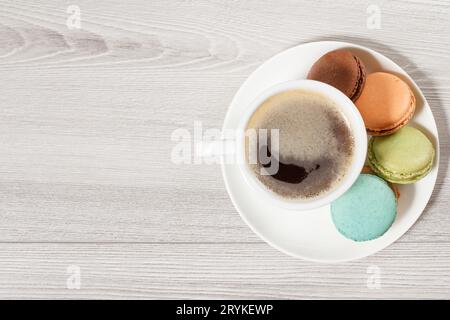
<point x="311" y="234"/>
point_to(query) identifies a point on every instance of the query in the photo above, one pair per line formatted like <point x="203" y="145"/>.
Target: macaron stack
<point x="397" y="152"/>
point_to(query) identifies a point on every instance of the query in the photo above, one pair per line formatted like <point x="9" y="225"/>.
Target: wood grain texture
<point x="222" y="271"/>
<point x="85" y="124"/>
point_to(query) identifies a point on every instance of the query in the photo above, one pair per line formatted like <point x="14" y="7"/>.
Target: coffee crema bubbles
<point x="308" y="148"/>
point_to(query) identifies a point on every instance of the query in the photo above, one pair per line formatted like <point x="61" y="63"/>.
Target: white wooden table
<point x="91" y="205"/>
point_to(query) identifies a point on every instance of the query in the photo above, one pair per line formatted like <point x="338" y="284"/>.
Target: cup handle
<point x="218" y="149"/>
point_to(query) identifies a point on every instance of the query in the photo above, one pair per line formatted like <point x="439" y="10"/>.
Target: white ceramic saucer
<point x="311" y="235"/>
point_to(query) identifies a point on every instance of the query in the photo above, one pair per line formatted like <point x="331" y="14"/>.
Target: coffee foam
<point x="313" y="133"/>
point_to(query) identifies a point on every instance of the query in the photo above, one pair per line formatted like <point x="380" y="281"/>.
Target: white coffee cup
<point x="355" y="123"/>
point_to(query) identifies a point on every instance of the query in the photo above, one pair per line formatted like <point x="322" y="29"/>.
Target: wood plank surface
<point x="222" y="271"/>
<point x="86" y="117"/>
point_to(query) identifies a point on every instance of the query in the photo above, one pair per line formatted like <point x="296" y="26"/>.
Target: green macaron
<point x="366" y="211"/>
<point x="403" y="157"/>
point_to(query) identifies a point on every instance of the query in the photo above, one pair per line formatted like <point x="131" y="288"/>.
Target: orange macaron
<point x="386" y="103"/>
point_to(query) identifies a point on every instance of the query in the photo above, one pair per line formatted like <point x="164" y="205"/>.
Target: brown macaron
<point x="386" y="103"/>
<point x="342" y="70"/>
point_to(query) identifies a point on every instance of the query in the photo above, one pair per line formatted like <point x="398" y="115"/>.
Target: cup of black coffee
<point x="303" y="144"/>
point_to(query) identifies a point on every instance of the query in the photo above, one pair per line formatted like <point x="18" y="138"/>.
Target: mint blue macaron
<point x="366" y="211"/>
